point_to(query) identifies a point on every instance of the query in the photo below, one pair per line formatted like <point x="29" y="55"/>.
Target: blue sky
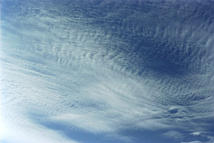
<point x="106" y="71"/>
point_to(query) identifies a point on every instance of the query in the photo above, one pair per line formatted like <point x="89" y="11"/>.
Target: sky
<point x="106" y="71"/>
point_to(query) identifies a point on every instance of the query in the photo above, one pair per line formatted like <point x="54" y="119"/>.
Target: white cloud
<point x="79" y="74"/>
<point x="31" y="133"/>
<point x="192" y="142"/>
<point x="196" y="133"/>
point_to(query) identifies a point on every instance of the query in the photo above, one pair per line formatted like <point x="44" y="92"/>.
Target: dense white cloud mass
<point x="116" y="69"/>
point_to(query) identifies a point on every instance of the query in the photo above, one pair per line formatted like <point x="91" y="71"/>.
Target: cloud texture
<point x="107" y="71"/>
